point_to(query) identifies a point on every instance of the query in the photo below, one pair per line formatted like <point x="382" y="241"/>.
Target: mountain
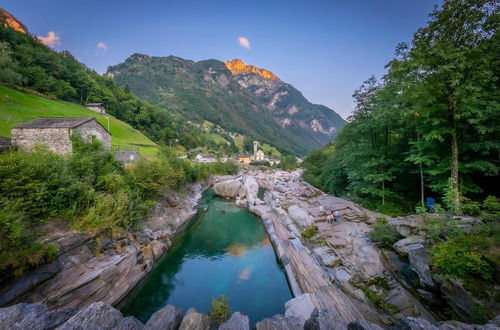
<point x="8" y="20"/>
<point x="238" y="97"/>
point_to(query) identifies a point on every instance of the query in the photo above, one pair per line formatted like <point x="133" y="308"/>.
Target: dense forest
<point x="431" y="126"/>
<point x="25" y="62"/>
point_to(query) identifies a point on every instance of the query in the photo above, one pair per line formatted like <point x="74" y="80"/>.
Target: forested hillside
<point x="26" y="62"/>
<point x="431" y="126"/>
<point x="264" y="108"/>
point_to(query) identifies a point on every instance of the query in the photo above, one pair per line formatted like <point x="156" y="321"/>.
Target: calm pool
<point x="223" y="250"/>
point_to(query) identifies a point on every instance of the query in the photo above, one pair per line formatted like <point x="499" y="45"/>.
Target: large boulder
<point x="413" y="323"/>
<point x="33" y="316"/>
<point x="460" y="300"/>
<point x="229" y="188"/>
<point x="300" y="307"/>
<point x="299" y="216"/>
<point x="237" y="321"/>
<point x="279" y="322"/>
<point x="251" y="189"/>
<point x="363" y="325"/>
<point x="454" y="325"/>
<point x="98" y="316"/>
<point x="167" y="318"/>
<point x="408" y="225"/>
<point x="325" y="319"/>
<point x="408" y="244"/>
<point x="130" y="323"/>
<point x="195" y="321"/>
<point x="419" y="261"/>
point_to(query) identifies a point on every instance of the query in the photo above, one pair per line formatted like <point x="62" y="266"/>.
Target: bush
<point x="384" y="234"/>
<point x="462" y="258"/>
<point x="491" y="209"/>
<point x="442" y="229"/>
<point x="309" y="232"/>
<point x="220" y="312"/>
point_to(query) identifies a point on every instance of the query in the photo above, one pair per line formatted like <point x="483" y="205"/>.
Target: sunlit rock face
<point x="237" y="66"/>
<point x="7" y="19"/>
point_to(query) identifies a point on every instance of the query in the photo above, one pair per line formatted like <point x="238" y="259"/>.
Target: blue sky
<point x="326" y="49"/>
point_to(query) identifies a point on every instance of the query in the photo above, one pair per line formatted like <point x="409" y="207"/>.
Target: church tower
<point x="256" y="146"/>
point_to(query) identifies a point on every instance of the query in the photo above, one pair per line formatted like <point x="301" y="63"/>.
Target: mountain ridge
<point x="232" y="94"/>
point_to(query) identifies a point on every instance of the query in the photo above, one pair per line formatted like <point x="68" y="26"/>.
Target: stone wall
<point x="4" y="144"/>
<point x="126" y="155"/>
<point x="56" y="139"/>
<point x="93" y="128"/>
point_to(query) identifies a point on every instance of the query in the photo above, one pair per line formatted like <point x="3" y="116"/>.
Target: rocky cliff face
<point x="7" y="19"/>
<point x="236" y="96"/>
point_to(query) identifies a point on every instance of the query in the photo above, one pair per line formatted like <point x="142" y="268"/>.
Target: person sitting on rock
<point x="337" y="216"/>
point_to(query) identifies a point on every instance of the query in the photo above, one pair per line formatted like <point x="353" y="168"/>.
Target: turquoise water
<point x="223" y="250"/>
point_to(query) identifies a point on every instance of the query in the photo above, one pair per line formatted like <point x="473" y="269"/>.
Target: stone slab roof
<point x="93" y="104"/>
<point x="57" y="122"/>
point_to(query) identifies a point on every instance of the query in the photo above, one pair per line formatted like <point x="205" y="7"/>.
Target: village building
<point x="96" y="107"/>
<point x="55" y="133"/>
<point x="201" y="158"/>
<point x="245" y="159"/>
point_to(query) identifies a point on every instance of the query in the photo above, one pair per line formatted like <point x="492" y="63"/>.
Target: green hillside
<point x="17" y="107"/>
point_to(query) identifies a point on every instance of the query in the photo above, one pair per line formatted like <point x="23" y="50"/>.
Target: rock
<point x="237" y="321"/>
<point x="195" y="321"/>
<point x="252" y="189"/>
<point x="408" y="225"/>
<point x="300" y="216"/>
<point x="33" y="316"/>
<point x="325" y="319"/>
<point x="98" y="316"/>
<point x="228" y="188"/>
<point x="167" y="318"/>
<point x="300" y="307"/>
<point x="460" y="300"/>
<point x="491" y="325"/>
<point x="20" y="286"/>
<point x="279" y="322"/>
<point x="408" y="244"/>
<point x="146" y="236"/>
<point x="412" y="323"/>
<point x="419" y="261"/>
<point x="363" y="325"/>
<point x="454" y="325"/>
<point x="429" y="297"/>
<point x="158" y="249"/>
<point x="130" y="323"/>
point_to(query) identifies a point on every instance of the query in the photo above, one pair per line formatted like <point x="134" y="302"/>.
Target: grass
<point x="270" y="151"/>
<point x="17" y="107"/>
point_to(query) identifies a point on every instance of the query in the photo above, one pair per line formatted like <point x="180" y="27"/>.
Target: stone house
<point x="55" y="133"/>
<point x="96" y="107"/>
<point x="200" y="158"/>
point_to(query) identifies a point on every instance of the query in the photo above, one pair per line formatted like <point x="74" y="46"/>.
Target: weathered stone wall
<point x="4" y="144"/>
<point x="56" y="139"/>
<point x="97" y="108"/>
<point x="93" y="128"/>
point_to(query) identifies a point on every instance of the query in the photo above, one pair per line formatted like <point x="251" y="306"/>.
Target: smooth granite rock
<point x="279" y="322"/>
<point x="300" y="307"/>
<point x="97" y="316"/>
<point x="195" y="321"/>
<point x="419" y="261"/>
<point x="167" y="318"/>
<point x="325" y="319"/>
<point x="363" y="325"/>
<point x="408" y="244"/>
<point x="412" y="323"/>
<point x="33" y="316"/>
<point x="299" y="216"/>
<point x="130" y="323"/>
<point x="237" y="321"/>
<point x="229" y="188"/>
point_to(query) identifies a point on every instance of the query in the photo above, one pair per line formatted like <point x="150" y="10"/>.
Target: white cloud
<point x="244" y="42"/>
<point x="102" y="45"/>
<point x="52" y="39"/>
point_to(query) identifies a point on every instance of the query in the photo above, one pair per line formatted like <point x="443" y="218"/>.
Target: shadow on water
<point x="223" y="250"/>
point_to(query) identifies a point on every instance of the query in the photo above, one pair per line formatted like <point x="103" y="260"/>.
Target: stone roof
<point x="93" y="104"/>
<point x="58" y="122"/>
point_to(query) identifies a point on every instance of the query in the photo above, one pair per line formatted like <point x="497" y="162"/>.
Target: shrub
<point x="384" y="234"/>
<point x="220" y="312"/>
<point x="309" y="232"/>
<point x="442" y="229"/>
<point x="491" y="209"/>
<point x="461" y="257"/>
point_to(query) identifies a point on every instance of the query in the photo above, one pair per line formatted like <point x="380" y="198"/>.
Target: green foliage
<point x="433" y="116"/>
<point x="384" y="234"/>
<point x="288" y="163"/>
<point x="490" y="209"/>
<point x="260" y="163"/>
<point x="309" y="232"/>
<point x="220" y="312"/>
<point x="462" y="257"/>
<point x="439" y="229"/>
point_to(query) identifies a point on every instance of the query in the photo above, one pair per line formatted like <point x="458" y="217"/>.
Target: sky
<point x="325" y="49"/>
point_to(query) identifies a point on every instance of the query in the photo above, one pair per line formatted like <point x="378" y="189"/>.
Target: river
<point x="223" y="250"/>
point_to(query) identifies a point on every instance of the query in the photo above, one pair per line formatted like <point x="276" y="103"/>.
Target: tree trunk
<point x="422" y="190"/>
<point x="454" y="148"/>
